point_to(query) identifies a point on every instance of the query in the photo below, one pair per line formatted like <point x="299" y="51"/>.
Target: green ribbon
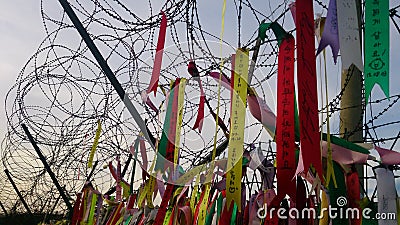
<point x="279" y="32"/>
<point x="92" y="209"/>
<point x="234" y="212"/>
<point x="374" y="210"/>
<point x="167" y="216"/>
<point x="335" y="194"/>
<point x="162" y="147"/>
<point x="345" y="144"/>
<point x="376" y="65"/>
<point x="128" y="220"/>
<point x="220" y="202"/>
<point x="210" y="214"/>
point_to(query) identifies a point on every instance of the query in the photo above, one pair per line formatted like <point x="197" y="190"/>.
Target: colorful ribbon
<point x="330" y="34"/>
<point x="159" y="54"/>
<point x="349" y="34"/>
<point x="376" y="56"/>
<point x="285" y="135"/>
<point x="236" y="137"/>
<point x="95" y="143"/>
<point x="307" y="84"/>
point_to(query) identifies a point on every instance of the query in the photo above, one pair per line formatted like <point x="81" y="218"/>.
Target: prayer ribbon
<point x="95" y="143"/>
<point x="151" y="183"/>
<point x="329" y="164"/>
<point x="194" y="194"/>
<point x="164" y="203"/>
<point x="75" y="216"/>
<point x="192" y="69"/>
<point x="330" y="34"/>
<point x="324" y="214"/>
<point x="200" y="115"/>
<point x="338" y="195"/>
<point x="387" y="195"/>
<point x="148" y="102"/>
<point x="301" y="198"/>
<point x="376" y="56"/>
<point x="307" y="84"/>
<point x="349" y="34"/>
<point x="143" y="153"/>
<point x="165" y="139"/>
<point x="388" y="157"/>
<point x="236" y="137"/>
<point x="118" y="187"/>
<point x="285" y="138"/>
<point x="92" y="209"/>
<point x="353" y="193"/>
<point x="181" y="95"/>
<point x="159" y="53"/>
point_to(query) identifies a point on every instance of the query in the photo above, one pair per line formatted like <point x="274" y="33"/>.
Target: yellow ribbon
<point x="181" y="96"/>
<point x="324" y="210"/>
<point x="151" y="182"/>
<point x="330" y="172"/>
<point x="194" y="194"/>
<point x="203" y="206"/>
<point x="141" y="196"/>
<point x="236" y="137"/>
<point x="167" y="217"/>
<point x="95" y="143"/>
<point x="126" y="188"/>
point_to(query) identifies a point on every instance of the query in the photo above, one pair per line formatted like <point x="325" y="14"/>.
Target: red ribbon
<point x="246" y="213"/>
<point x="143" y="152"/>
<point x="172" y="127"/>
<point x="307" y="83"/>
<point x="115" y="215"/>
<point x="159" y="53"/>
<point x="192" y="69"/>
<point x="200" y="116"/>
<point x="197" y="210"/>
<point x="301" y="200"/>
<point x="353" y="194"/>
<point x="187" y="214"/>
<point x="131" y="201"/>
<point x="285" y="135"/>
<point x="75" y="216"/>
<point x="164" y="203"/>
<point x="82" y="207"/>
<point x="226" y="215"/>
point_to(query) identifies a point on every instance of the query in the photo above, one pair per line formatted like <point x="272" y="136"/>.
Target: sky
<point x="21" y="32"/>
